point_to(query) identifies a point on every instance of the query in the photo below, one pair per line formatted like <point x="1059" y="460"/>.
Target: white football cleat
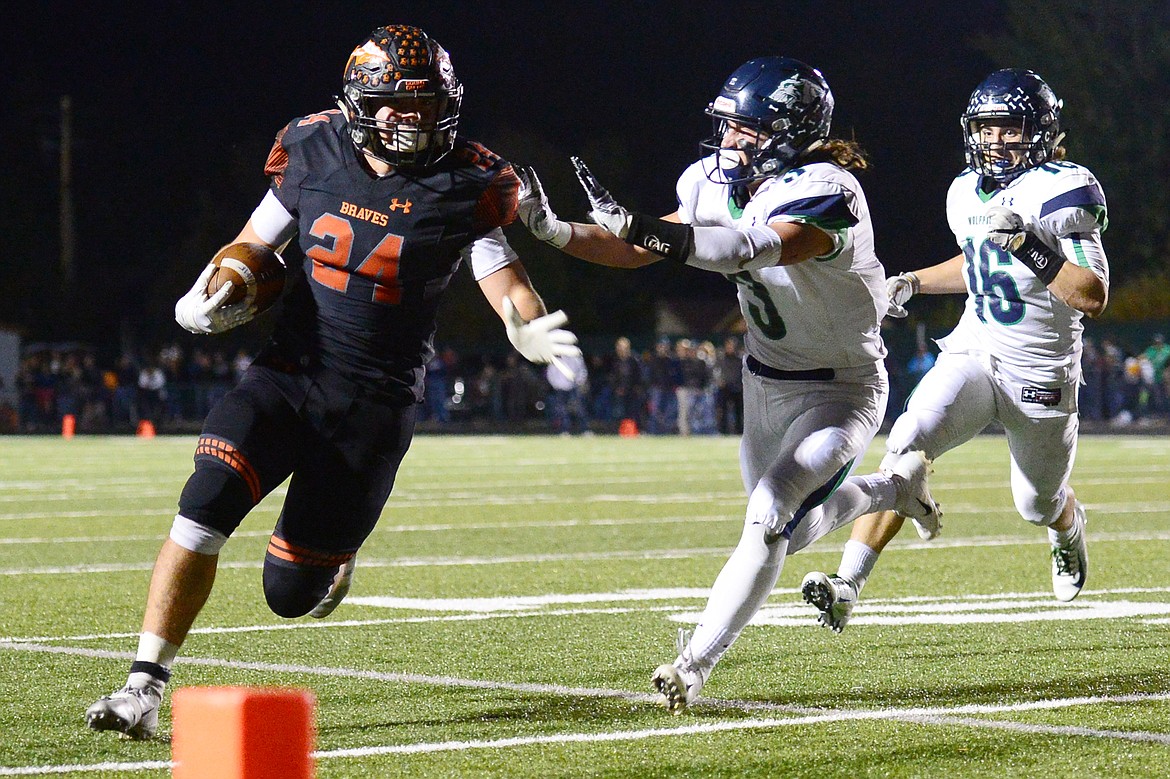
<point x="337" y="591"/>
<point x="832" y="596"/>
<point x="679" y="684"/>
<point x="131" y="711"/>
<point x="1070" y="564"/>
<point x="910" y="471"/>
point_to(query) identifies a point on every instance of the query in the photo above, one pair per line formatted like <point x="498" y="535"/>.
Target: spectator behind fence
<point x="629" y="384"/>
<point x="664" y="377"/>
<point x="729" y="383"/>
<point x="567" y="399"/>
<point x="1158" y="355"/>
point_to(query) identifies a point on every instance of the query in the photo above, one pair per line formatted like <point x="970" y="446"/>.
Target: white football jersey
<point x="1009" y="313"/>
<point x="824" y="312"/>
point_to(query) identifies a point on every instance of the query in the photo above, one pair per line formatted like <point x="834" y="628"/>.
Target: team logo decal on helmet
<point x="1015" y="95"/>
<point x="786" y="102"/>
<point x="403" y="68"/>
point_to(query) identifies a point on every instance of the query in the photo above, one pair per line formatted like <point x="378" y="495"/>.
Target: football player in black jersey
<point x="387" y="201"/>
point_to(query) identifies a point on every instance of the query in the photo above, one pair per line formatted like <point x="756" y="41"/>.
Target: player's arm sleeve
<point x="272" y="222"/>
<point x="830" y="211"/>
<point x="718" y="248"/>
<point x="488" y="254"/>
<point x="1075" y="219"/>
<point x="731" y="250"/>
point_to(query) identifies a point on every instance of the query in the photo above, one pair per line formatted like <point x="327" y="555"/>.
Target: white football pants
<point x="964" y="393"/>
<point x="798" y="436"/>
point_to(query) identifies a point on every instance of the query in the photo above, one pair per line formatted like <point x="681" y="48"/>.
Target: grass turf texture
<point x="540" y="580"/>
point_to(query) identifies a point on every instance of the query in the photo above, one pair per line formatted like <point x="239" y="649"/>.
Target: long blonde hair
<point x="844" y="154"/>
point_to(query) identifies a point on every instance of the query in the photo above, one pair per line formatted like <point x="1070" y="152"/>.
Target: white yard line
<point x="922" y="716"/>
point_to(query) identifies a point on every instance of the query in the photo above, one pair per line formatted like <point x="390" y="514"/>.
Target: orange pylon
<point x="242" y="733"/>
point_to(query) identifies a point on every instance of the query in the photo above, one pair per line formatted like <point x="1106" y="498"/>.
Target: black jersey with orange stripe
<point x="379" y="251"/>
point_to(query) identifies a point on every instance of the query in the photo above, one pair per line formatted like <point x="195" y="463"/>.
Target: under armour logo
<point x="395" y="205"/>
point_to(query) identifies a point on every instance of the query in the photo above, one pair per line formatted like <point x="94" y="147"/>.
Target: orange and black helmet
<point x="405" y="69"/>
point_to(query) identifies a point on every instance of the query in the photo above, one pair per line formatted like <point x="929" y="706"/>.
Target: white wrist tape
<point x="731" y="250"/>
<point x="196" y="538"/>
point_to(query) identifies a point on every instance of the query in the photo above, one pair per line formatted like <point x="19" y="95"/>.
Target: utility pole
<point x="67" y="235"/>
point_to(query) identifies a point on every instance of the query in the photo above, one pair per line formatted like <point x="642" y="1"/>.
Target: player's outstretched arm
<point x="589" y="242"/>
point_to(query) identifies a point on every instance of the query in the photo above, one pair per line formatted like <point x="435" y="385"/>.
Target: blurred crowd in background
<point x="670" y="387"/>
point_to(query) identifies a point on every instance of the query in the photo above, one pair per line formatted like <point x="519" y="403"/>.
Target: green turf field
<point x="508" y="611"/>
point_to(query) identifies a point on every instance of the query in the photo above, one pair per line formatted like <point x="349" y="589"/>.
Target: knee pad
<point x="216" y="497"/>
<point x="296" y="579"/>
<point x="1038" y="510"/>
<point x="293" y="590"/>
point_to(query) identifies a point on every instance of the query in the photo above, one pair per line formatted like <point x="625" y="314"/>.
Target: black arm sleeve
<point x="670" y="239"/>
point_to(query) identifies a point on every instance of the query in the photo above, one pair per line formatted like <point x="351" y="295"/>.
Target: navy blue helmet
<point x="786" y="101"/>
<point x="1019" y="95"/>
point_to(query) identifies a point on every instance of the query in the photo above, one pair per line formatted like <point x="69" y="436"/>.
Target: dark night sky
<point x="175" y="109"/>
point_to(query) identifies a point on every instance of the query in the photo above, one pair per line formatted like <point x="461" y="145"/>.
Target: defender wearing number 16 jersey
<point x="1029" y="228"/>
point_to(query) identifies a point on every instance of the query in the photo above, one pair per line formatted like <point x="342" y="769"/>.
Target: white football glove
<point x="541" y="340"/>
<point x="1005" y="228"/>
<point x="605" y="210"/>
<point x="535" y="212"/>
<point x="199" y="313"/>
<point x="900" y="289"/>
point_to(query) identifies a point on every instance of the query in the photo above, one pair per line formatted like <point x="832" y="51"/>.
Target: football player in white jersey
<point x="1029" y="226"/>
<point x="774" y="207"/>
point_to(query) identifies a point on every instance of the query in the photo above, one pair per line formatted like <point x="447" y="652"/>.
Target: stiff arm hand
<point x="604" y="210"/>
<point x="542" y="340"/>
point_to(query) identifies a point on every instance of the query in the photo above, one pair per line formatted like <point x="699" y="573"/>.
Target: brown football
<point x="256" y="272"/>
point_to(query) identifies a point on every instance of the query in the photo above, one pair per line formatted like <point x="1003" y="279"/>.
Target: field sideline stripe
<point x="583" y="692"/>
<point x="923" y="716"/>
<point x="875" y="604"/>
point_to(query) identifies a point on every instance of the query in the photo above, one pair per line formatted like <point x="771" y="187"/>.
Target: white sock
<point x="742" y="587"/>
<point x="1065" y="538"/>
<point x="156" y="649"/>
<point x="152" y="663"/>
<point x="852" y="499"/>
<point x="857" y="562"/>
<point x="882" y="491"/>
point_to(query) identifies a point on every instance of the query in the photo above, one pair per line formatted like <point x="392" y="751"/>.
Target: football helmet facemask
<point x="785" y="103"/>
<point x="403" y="68"/>
<point x="1015" y="95"/>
